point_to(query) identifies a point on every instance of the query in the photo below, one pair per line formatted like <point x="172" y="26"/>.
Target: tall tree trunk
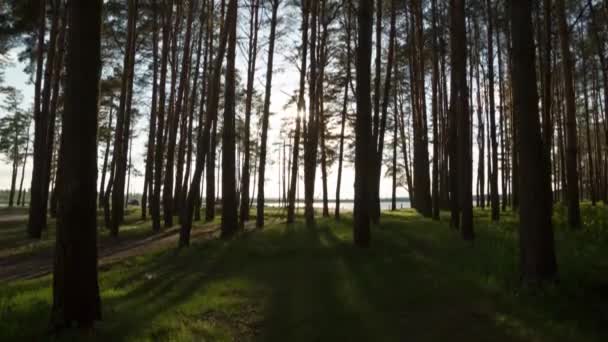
<point x="104" y="167"/>
<point x="311" y="137"/>
<point x="266" y="114"/>
<point x="537" y="256"/>
<point x="121" y="139"/>
<point x="435" y="112"/>
<point x="181" y="117"/>
<point x="22" y="193"/>
<point x="170" y="198"/>
<point x="574" y="213"/>
<point x="363" y="136"/>
<point x="548" y="89"/>
<point x="462" y="213"/>
<point x="294" y="174"/>
<point x="37" y="213"/>
<point x="422" y="183"/>
<point x="591" y="169"/>
<point x="251" y="65"/>
<point x="347" y="82"/>
<point x="210" y="194"/>
<point x="203" y="139"/>
<point x="149" y="173"/>
<point x="159" y="154"/>
<point x="229" y="196"/>
<point x="494" y="200"/>
<point x="75" y="281"/>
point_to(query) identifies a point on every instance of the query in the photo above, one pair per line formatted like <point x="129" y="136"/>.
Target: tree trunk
<point x="435" y="112"/>
<point x="229" y="196"/>
<point x="37" y="213"/>
<point x="537" y="254"/>
<point x="494" y="200"/>
<point x="149" y="173"/>
<point x="266" y="114"/>
<point x="422" y="183"/>
<point x="462" y="211"/>
<point x="75" y="281"/>
<point x="294" y="174"/>
<point x="159" y="145"/>
<point x="251" y="65"/>
<point x="574" y="214"/>
<point x="347" y="81"/>
<point x="363" y="136"/>
<point x="22" y="193"/>
<point x="123" y="119"/>
<point x="203" y="139"/>
<point x="311" y="136"/>
<point x="104" y="167"/>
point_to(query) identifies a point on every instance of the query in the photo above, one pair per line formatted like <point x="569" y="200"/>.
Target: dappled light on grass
<point x="419" y="282"/>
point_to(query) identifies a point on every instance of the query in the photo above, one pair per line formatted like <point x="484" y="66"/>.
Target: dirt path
<point x="33" y="266"/>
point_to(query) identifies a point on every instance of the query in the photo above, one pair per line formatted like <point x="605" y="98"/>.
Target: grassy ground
<point x="418" y="282"/>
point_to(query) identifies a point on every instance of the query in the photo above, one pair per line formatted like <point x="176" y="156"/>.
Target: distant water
<point x="347" y="205"/>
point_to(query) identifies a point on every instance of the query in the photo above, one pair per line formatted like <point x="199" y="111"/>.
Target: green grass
<point x="418" y="282"/>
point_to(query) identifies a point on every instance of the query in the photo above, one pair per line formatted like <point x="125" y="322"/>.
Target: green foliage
<point x="419" y="281"/>
<point x="14" y="125"/>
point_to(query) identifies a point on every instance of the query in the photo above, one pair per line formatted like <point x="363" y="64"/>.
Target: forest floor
<point x="418" y="282"/>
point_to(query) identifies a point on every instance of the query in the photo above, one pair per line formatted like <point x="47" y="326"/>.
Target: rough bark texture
<point x="537" y="255"/>
<point x="75" y="285"/>
<point x="363" y="136"/>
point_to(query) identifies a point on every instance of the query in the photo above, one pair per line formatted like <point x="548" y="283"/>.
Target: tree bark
<point x="37" y="213"/>
<point x="574" y="214"/>
<point x="266" y="114"/>
<point x="251" y="65"/>
<point x="159" y="145"/>
<point x="229" y="196"/>
<point x="75" y="281"/>
<point x="537" y="255"/>
<point x="149" y="173"/>
<point x="363" y="136"/>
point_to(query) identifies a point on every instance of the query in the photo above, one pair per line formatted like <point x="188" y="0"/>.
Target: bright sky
<point x="285" y="81"/>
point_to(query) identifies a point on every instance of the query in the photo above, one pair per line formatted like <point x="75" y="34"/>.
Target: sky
<point x="285" y="82"/>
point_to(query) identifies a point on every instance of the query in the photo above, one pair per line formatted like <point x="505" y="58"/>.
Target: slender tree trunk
<point x="149" y="173"/>
<point x="462" y="213"/>
<point x="75" y="282"/>
<point x="251" y="65"/>
<point x="22" y="193"/>
<point x="37" y="213"/>
<point x="591" y="169"/>
<point x="210" y="195"/>
<point x="203" y="139"/>
<point x="363" y="136"/>
<point x="266" y="115"/>
<point x="311" y="136"/>
<point x="494" y="200"/>
<point x="121" y="139"/>
<point x="347" y="82"/>
<point x="574" y="214"/>
<point x="294" y="174"/>
<point x="435" y="112"/>
<point x="537" y="256"/>
<point x="422" y="183"/>
<point x="106" y="155"/>
<point x="229" y="196"/>
<point x="159" y="155"/>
